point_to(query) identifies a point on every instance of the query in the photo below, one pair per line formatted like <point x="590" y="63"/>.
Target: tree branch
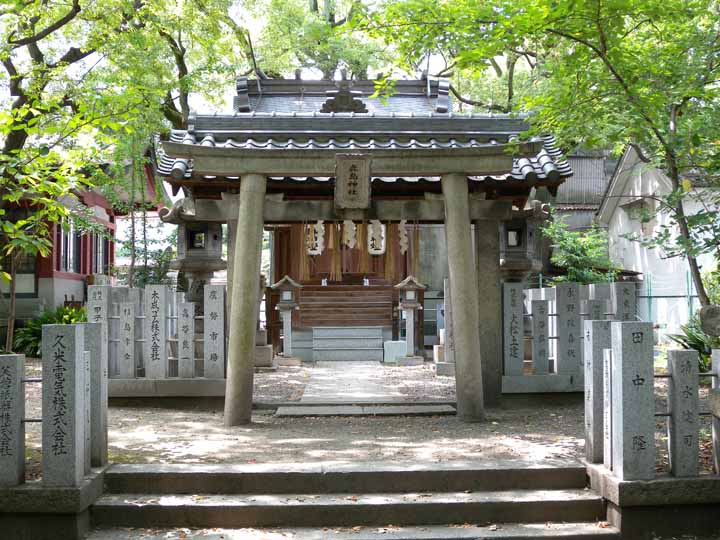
<point x="488" y="106"/>
<point x="54" y="27"/>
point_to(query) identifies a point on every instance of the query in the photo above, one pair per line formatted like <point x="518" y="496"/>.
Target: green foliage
<point x="600" y="74"/>
<point x="693" y="337"/>
<point x="298" y="34"/>
<point x="583" y="254"/>
<point x="28" y="339"/>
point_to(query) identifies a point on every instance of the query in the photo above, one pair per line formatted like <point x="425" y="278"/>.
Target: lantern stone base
<point x="445" y="369"/>
<point x="410" y="360"/>
<point x="393" y="350"/>
<point x="438" y="353"/>
<point x="263" y="356"/>
<point x="288" y="361"/>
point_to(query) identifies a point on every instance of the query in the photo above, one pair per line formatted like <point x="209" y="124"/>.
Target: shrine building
<point x="358" y="194"/>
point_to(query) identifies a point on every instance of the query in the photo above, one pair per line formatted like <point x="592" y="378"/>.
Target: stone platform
<point x="365" y="410"/>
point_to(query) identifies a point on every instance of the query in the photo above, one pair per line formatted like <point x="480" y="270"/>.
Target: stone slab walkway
<point x="411" y="409"/>
<point x="350" y="382"/>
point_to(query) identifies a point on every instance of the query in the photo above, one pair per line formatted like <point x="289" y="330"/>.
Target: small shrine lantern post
<point x="286" y="305"/>
<point x="409" y="304"/>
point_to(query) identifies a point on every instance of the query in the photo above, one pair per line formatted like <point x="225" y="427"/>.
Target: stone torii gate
<point x="240" y="168"/>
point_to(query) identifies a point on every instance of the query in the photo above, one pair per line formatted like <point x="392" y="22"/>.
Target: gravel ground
<point x="530" y="429"/>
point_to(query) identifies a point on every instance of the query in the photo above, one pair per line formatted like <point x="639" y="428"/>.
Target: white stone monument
<point x="186" y="340"/>
<point x="540" y="341"/>
<point x="513" y="334"/>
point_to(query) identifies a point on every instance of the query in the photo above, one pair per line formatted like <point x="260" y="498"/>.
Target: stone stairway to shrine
<point x="362" y="343"/>
<point x="356" y="500"/>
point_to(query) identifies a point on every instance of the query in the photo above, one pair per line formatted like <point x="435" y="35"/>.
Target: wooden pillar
<point x="246" y="268"/>
<point x="463" y="287"/>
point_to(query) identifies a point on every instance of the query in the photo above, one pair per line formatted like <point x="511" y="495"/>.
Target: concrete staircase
<point x="353" y="501"/>
<point x="362" y="343"/>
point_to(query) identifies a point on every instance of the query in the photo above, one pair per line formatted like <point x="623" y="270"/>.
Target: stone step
<point x="348" y="355"/>
<point x="341" y="332"/>
<point x="350" y="342"/>
<point x="303" y="510"/>
<point x="507" y="531"/>
<point x="317" y="322"/>
<point x="339" y="477"/>
<point x="365" y="410"/>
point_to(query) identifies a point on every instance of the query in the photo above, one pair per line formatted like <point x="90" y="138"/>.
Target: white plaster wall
<point x="663" y="276"/>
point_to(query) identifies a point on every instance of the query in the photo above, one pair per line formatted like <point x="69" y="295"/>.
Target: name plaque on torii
<point x="352" y="181"/>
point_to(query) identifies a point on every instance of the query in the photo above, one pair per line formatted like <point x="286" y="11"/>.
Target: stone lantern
<point x="521" y="242"/>
<point x="289" y="290"/>
<point x="409" y="290"/>
<point x="199" y="247"/>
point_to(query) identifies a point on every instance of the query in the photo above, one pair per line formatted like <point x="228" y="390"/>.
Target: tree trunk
<point x="131" y="269"/>
<point x="685" y="233"/>
<point x="11" y="308"/>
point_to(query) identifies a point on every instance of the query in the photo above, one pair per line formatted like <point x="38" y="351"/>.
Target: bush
<point x="28" y="339"/>
<point x="693" y="337"/>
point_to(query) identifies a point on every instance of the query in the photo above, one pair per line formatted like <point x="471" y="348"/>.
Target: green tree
<point x="603" y="74"/>
<point x="311" y="34"/>
<point x="583" y="254"/>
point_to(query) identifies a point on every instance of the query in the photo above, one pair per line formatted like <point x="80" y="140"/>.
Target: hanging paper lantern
<point x="349" y="233"/>
<point x="315" y="238"/>
<point x="403" y="239"/>
<point x="376" y="238"/>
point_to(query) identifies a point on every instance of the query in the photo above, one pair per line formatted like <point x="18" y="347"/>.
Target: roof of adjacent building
<point x="276" y="115"/>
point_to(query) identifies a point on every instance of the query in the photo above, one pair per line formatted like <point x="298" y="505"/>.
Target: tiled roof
<point x="548" y="164"/>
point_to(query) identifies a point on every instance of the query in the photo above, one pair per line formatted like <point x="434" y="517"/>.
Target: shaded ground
<point x="530" y="429"/>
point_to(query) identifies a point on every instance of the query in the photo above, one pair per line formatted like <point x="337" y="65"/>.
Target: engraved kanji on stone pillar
<point x="683" y="406"/>
<point x="12" y="412"/>
<point x="214" y="332"/>
<point x="186" y="340"/>
<point x="513" y="345"/>
<point x="569" y="332"/>
<point x="126" y="341"/>
<point x="597" y="339"/>
<point x="63" y="405"/>
<point x="155" y="331"/>
<point x="540" y="356"/>
<point x="633" y="405"/>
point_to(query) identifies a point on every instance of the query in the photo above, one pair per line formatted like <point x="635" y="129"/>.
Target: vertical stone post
<point x="156" y="310"/>
<point x="186" y="340"/>
<point x="286" y="316"/>
<point x="449" y="347"/>
<point x="12" y="412"/>
<point x="63" y="405"/>
<point x="246" y="268"/>
<point x="597" y="339"/>
<point x="487" y="264"/>
<point x="633" y="404"/>
<point x="513" y="328"/>
<point x="98" y="393"/>
<point x="98" y="311"/>
<point x="715" y="382"/>
<point x="232" y="234"/>
<point x="607" y="408"/>
<point x="624" y="300"/>
<point x="683" y="406"/>
<point x="595" y="310"/>
<point x="463" y="282"/>
<point x="601" y="292"/>
<point x="87" y="458"/>
<point x="126" y="341"/>
<point x="569" y="331"/>
<point x="214" y="332"/>
<point x="540" y="358"/>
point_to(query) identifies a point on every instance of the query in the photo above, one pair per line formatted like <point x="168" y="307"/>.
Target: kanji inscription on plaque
<point x="352" y="181"/>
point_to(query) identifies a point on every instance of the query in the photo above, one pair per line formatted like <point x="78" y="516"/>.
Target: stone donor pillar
<point x="463" y="287"/>
<point x="246" y="268"/>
